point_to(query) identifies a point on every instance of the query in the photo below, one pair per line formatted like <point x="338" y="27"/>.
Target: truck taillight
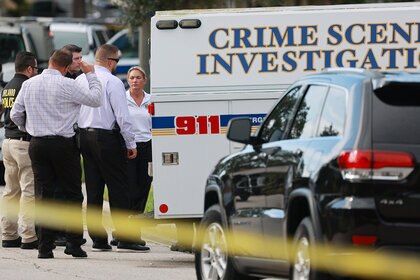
<point x="376" y="165"/>
<point x="151" y="109"/>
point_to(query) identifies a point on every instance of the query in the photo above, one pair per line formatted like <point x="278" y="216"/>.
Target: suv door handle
<point x="262" y="155"/>
<point x="298" y="152"/>
<point x="238" y="223"/>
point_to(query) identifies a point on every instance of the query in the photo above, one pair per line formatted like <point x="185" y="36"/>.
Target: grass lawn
<point x="149" y="203"/>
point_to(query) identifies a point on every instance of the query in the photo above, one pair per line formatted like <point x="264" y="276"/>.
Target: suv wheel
<point x="211" y="257"/>
<point x="304" y="238"/>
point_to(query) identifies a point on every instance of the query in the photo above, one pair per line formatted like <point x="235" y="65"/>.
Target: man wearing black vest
<point x="18" y="173"/>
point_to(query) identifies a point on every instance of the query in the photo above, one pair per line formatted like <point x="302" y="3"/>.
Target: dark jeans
<point x="56" y="165"/>
<point x="138" y="177"/>
<point x="105" y="162"/>
<point x="59" y="194"/>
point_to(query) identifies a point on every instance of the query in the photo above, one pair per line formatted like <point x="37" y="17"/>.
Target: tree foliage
<point x="135" y="12"/>
<point x="14" y="8"/>
<point x="138" y="11"/>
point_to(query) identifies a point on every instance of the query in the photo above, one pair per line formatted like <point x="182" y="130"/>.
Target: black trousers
<point x="105" y="162"/>
<point x="56" y="166"/>
<point x="138" y="177"/>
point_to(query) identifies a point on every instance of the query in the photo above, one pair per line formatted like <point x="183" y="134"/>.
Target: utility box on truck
<point x="209" y="66"/>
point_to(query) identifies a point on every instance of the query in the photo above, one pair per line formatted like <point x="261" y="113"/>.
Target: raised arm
<point x="87" y="89"/>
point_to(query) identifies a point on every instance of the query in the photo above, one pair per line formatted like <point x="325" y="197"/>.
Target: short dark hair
<point x="23" y="60"/>
<point x="73" y="48"/>
<point x="61" y="58"/>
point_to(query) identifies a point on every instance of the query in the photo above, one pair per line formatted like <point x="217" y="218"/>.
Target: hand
<point x="131" y="153"/>
<point x="87" y="67"/>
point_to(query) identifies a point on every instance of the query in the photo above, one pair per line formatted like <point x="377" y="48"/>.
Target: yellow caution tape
<point x="354" y="262"/>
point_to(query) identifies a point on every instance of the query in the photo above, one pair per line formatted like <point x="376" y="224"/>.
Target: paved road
<point x="160" y="263"/>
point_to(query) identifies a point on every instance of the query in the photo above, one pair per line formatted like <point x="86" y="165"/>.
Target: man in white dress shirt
<point x="106" y="143"/>
<point x="47" y="107"/>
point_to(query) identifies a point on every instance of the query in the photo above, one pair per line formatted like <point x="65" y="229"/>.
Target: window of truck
<point x="10" y="45"/>
<point x="62" y="38"/>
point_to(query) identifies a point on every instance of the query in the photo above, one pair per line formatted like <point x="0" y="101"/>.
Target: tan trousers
<point x="19" y="188"/>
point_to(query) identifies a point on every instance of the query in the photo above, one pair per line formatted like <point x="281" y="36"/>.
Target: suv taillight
<point x="375" y="165"/>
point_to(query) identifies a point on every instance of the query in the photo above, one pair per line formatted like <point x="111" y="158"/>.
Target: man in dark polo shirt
<point x="18" y="170"/>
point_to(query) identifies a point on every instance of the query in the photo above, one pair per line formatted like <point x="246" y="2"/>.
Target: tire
<point x="211" y="254"/>
<point x="301" y="268"/>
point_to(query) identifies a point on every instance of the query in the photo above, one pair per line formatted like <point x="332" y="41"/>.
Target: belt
<point x="23" y="138"/>
<point x="99" y="130"/>
<point x="52" y="137"/>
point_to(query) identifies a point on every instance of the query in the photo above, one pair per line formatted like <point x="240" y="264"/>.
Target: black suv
<point x="335" y="162"/>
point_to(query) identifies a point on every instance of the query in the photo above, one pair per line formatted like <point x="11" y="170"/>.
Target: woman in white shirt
<point x="138" y="101"/>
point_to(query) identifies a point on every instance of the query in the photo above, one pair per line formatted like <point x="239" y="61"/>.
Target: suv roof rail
<point x="362" y="71"/>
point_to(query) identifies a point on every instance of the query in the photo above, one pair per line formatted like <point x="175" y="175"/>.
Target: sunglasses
<point x="114" y="59"/>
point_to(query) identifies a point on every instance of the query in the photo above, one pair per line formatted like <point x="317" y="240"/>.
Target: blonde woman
<point x="138" y="101"/>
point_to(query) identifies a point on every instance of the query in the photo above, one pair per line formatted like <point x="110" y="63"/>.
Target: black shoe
<point x="60" y="241"/>
<point x="15" y="243"/>
<point x="75" y="251"/>
<point x="101" y="247"/>
<point x="131" y="247"/>
<point x="174" y="247"/>
<point x="114" y="242"/>
<point x="180" y="248"/>
<point x="30" y="245"/>
<point x="46" y="255"/>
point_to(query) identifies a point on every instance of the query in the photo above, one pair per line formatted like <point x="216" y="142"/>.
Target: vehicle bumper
<point x="346" y="217"/>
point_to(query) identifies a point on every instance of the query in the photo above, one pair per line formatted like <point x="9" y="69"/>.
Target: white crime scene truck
<point x="209" y="66"/>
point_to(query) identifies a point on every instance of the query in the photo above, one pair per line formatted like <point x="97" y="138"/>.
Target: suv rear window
<point x="396" y="112"/>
